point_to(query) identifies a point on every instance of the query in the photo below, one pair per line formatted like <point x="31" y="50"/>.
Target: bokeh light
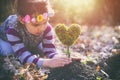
<point x="73" y="11"/>
<point x="90" y="12"/>
<point x="83" y="6"/>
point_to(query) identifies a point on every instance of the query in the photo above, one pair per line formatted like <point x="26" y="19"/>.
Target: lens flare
<point x="83" y="6"/>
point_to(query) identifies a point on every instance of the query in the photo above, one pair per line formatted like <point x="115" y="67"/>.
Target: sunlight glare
<point x="84" y="6"/>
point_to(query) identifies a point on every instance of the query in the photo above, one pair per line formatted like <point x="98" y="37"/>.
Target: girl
<point x="32" y="36"/>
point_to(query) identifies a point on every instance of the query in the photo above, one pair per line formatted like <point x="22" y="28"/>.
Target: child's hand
<point x="56" y="62"/>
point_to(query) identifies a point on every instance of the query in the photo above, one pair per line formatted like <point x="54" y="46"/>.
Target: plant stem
<point x="68" y="51"/>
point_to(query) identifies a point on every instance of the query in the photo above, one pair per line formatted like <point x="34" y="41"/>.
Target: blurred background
<point x="84" y="12"/>
<point x="100" y="28"/>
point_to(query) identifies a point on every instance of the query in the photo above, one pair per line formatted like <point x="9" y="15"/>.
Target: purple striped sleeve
<point x="48" y="29"/>
<point x="35" y="60"/>
<point x="51" y="55"/>
<point x="15" y="42"/>
<point x="48" y="37"/>
<point x="48" y="44"/>
<point x="25" y="60"/>
<point x="48" y="52"/>
<point x="20" y="50"/>
<point x="12" y="31"/>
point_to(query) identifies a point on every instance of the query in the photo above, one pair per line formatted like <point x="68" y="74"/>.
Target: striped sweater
<point x="22" y="52"/>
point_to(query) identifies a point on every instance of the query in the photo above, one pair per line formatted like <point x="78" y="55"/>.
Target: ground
<point x="95" y="46"/>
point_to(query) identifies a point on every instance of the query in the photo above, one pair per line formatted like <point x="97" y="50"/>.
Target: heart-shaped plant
<point x="68" y="35"/>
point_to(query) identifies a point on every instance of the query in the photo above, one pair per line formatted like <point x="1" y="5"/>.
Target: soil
<point x="79" y="71"/>
<point x="97" y="43"/>
<point x="75" y="71"/>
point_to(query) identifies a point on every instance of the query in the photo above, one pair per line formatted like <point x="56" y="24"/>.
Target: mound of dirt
<point x="76" y="71"/>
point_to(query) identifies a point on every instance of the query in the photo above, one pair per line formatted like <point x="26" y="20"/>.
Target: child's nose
<point x="41" y="28"/>
<point x="38" y="29"/>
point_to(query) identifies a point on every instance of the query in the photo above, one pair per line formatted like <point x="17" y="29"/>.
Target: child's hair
<point x="32" y="6"/>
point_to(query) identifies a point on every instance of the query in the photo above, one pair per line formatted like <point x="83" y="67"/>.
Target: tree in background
<point x="6" y="8"/>
<point x="104" y="12"/>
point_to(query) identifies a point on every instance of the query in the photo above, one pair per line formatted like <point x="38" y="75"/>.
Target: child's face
<point x="36" y="28"/>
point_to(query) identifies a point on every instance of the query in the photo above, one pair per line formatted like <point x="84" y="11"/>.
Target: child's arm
<point x="20" y="50"/>
<point x="26" y="57"/>
<point x="48" y="42"/>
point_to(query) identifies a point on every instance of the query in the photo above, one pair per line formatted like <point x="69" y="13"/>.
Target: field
<point x="96" y="46"/>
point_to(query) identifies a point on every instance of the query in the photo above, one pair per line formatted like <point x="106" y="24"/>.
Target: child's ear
<point x="20" y="19"/>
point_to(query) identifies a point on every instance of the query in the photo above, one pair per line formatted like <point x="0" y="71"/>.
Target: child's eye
<point x="36" y="25"/>
<point x="39" y="24"/>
